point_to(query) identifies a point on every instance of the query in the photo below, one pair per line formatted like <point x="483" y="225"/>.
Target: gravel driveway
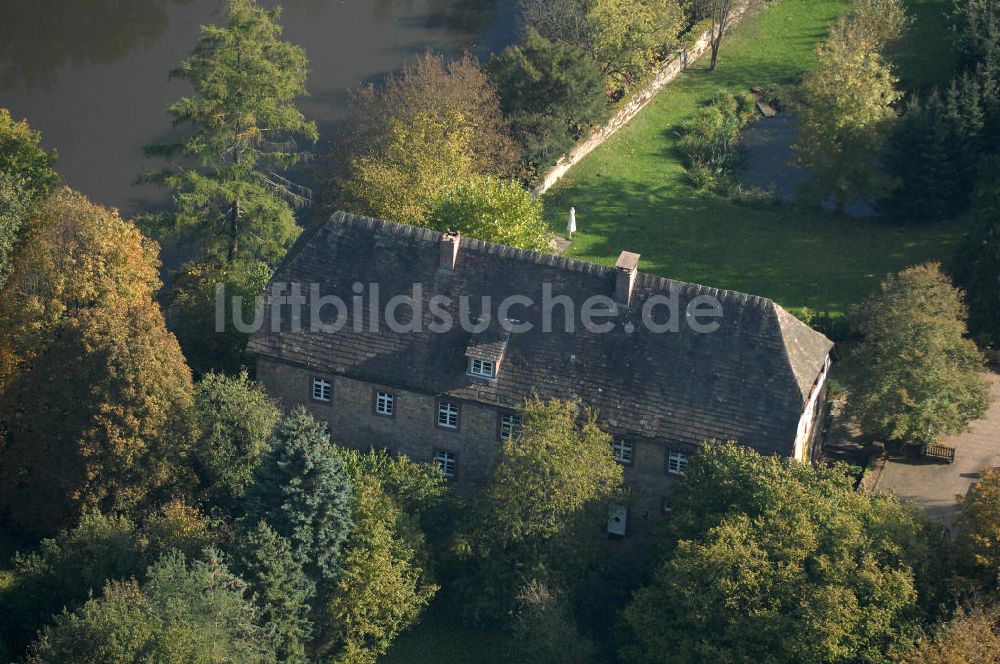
<point x="935" y="485"/>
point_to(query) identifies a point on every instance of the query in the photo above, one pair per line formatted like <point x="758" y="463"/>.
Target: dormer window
<point x="486" y="349"/>
<point x="482" y="368"/>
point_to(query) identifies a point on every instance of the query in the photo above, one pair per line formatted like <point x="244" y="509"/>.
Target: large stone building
<point x="731" y="367"/>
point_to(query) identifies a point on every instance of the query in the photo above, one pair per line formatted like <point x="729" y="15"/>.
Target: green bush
<point x="836" y="327"/>
<point x="710" y="142"/>
<point x="552" y="92"/>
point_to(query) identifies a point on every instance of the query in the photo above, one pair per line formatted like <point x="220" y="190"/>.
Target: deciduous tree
<point x="417" y="487"/>
<point x="722" y="14"/>
<point x="455" y="93"/>
<point x="383" y="586"/>
<point x="972" y="636"/>
<point x="977" y="538"/>
<point x="229" y="191"/>
<point x="879" y="22"/>
<point x="627" y="36"/>
<point x="182" y="613"/>
<point x="424" y="157"/>
<point x="536" y="518"/>
<point x="545" y="629"/>
<point x="846" y="113"/>
<point x="558" y="20"/>
<point x="78" y="255"/>
<point x="181" y="527"/>
<point x="555" y="469"/>
<point x="236" y="420"/>
<point x="22" y="156"/>
<point x="486" y="208"/>
<point x="64" y="570"/>
<point x="113" y="432"/>
<point x="770" y="560"/>
<point x="26" y="175"/>
<point x="923" y="377"/>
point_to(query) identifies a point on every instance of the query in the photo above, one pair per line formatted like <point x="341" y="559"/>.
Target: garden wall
<point x="667" y="72"/>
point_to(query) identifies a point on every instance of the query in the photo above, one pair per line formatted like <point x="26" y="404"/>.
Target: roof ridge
<point x="504" y="250"/>
<point x="541" y="257"/>
<point x="664" y="283"/>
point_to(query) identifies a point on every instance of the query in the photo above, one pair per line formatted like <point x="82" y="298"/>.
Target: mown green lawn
<point x="633" y="193"/>
<point x="926" y="54"/>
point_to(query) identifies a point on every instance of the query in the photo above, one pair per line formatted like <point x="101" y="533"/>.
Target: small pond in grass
<point x="769" y="161"/>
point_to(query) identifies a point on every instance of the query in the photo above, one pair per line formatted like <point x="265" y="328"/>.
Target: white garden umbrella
<point x="571" y="227"/>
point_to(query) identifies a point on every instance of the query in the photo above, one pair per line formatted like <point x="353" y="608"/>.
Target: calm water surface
<point x="92" y="74"/>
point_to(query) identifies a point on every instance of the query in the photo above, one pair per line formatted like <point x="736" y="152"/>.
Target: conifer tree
<point x="280" y="589"/>
<point x="930" y="160"/>
<point x="977" y="266"/>
<point x="304" y="492"/>
<point x="229" y="191"/>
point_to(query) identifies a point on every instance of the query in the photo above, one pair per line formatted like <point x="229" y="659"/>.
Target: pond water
<point x="770" y="162"/>
<point x="767" y="145"/>
<point x="92" y="74"/>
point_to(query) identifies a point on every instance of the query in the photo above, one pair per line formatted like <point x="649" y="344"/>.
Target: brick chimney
<point x="625" y="271"/>
<point x="449" y="249"/>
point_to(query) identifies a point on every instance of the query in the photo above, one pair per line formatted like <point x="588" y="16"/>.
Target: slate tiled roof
<point x="491" y="343"/>
<point x="747" y="381"/>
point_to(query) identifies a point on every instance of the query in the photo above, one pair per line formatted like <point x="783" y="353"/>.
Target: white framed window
<point x="482" y="368"/>
<point x="447" y="462"/>
<point x="676" y="462"/>
<point x="510" y="425"/>
<point x="385" y="403"/>
<point x="665" y="507"/>
<point x="322" y="390"/>
<point x="623" y="451"/>
<point x="447" y="416"/>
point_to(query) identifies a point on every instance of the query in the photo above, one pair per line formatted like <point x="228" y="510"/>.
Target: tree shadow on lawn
<point x="798" y="257"/>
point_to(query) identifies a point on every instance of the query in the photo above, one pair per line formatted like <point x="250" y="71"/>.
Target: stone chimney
<point x="625" y="271"/>
<point x="449" y="249"/>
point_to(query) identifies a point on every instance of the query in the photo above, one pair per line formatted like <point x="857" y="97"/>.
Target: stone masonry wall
<point x="412" y="431"/>
<point x="667" y="72"/>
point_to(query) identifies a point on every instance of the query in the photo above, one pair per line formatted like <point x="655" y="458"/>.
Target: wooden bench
<point x="942" y="452"/>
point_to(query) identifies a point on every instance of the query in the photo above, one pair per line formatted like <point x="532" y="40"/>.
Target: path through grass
<point x="633" y="193"/>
